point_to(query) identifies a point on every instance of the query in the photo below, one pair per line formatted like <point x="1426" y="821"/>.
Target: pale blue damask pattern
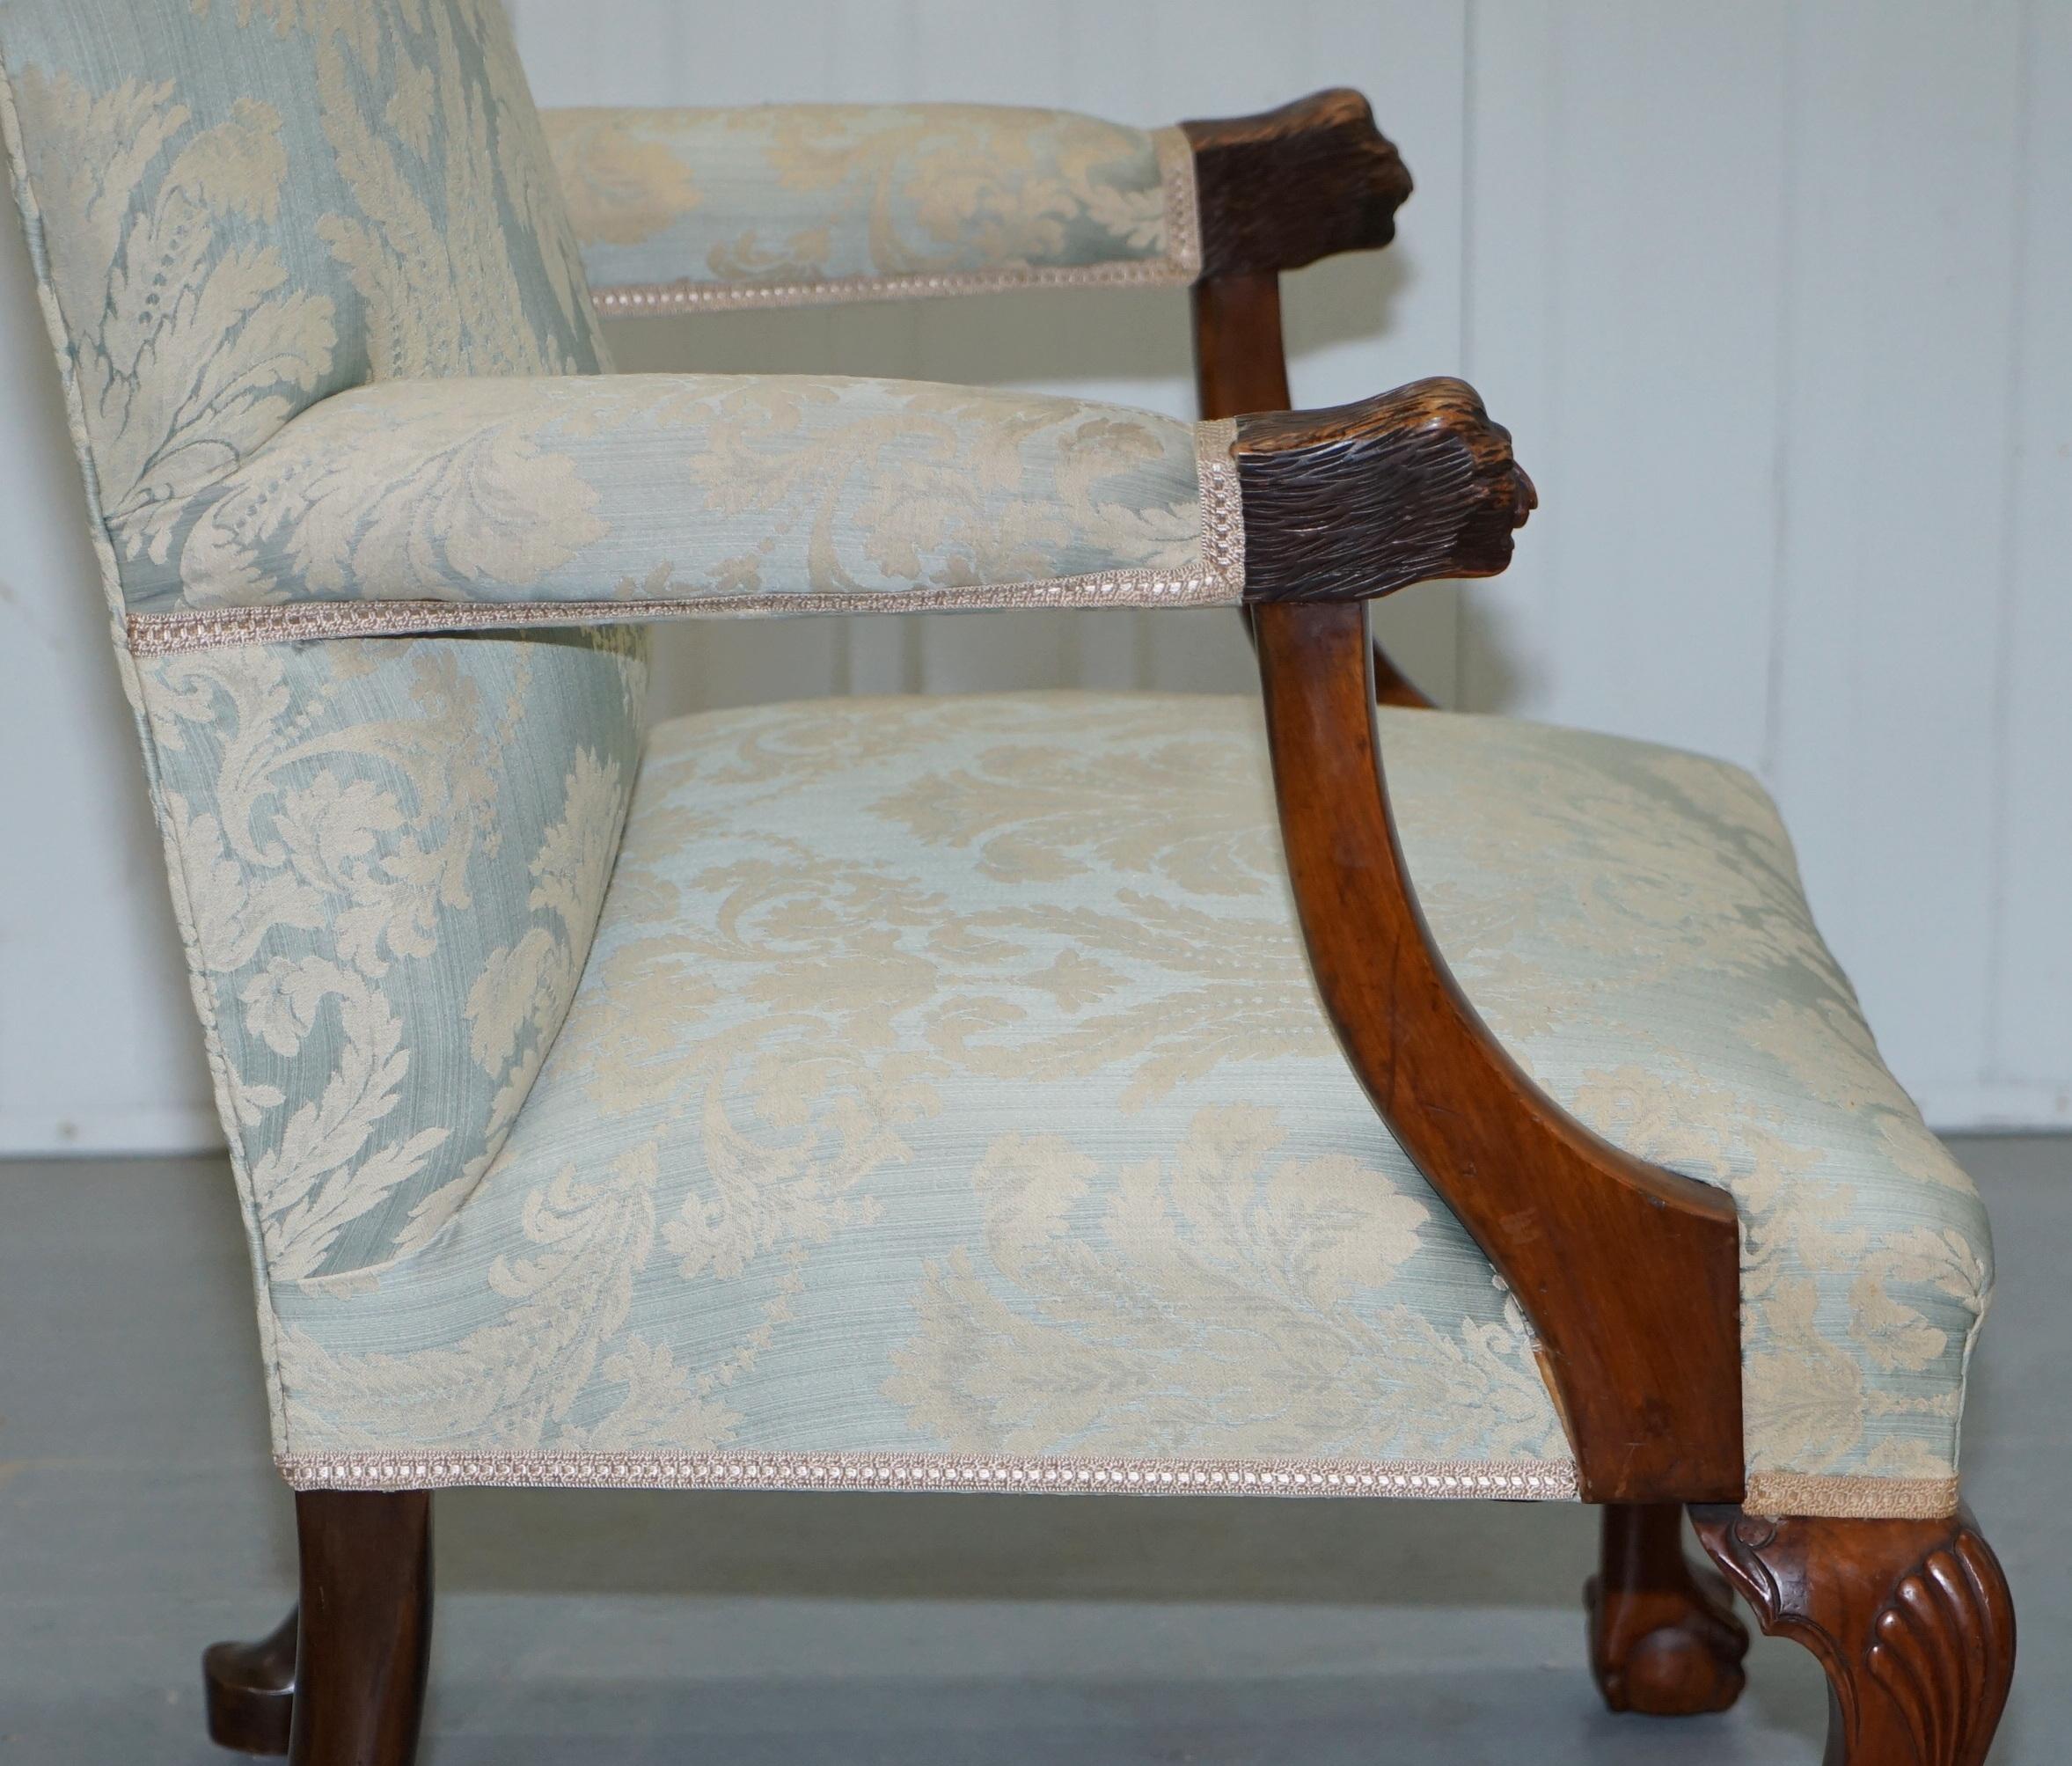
<point x="690" y="492"/>
<point x="946" y="1077"/>
<point x="273" y="241"/>
<point x="388" y="859"/>
<point x="802" y="202"/>
<point x="942" y="1079"/>
<point x="240" y="207"/>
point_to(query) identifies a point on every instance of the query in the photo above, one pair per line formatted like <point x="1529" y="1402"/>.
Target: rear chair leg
<point x="249" y="1691"/>
<point x="1663" y="1635"/>
<point x="341" y="1681"/>
<point x="1910" y="1619"/>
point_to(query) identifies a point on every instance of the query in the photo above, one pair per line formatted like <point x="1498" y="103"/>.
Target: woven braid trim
<point x="1529" y="1480"/>
<point x="1774" y="1494"/>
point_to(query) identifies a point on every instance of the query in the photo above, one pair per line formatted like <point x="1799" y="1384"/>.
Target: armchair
<point x="904" y="1095"/>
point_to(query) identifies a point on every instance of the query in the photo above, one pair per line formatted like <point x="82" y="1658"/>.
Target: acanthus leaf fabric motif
<point x="947" y="1080"/>
<point x="704" y="490"/>
<point x="240" y="208"/>
<point x="330" y="341"/>
<point x="391" y="858"/>
<point x="793" y="203"/>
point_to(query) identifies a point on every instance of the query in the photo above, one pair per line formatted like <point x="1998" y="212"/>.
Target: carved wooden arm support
<point x="1287" y="186"/>
<point x="1629" y="1274"/>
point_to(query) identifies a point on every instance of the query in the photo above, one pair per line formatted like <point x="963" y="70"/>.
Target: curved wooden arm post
<point x="1277" y="191"/>
<point x="1629" y="1274"/>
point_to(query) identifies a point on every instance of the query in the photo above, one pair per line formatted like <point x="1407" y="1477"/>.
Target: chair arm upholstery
<point x="775" y="205"/>
<point x="437" y="505"/>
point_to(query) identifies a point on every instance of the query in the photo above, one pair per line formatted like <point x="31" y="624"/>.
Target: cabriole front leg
<point x="1911" y="1620"/>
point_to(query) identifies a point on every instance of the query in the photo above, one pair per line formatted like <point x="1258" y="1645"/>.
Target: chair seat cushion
<point x="946" y="1101"/>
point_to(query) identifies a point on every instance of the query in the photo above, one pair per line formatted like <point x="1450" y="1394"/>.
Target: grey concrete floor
<point x="140" y="1519"/>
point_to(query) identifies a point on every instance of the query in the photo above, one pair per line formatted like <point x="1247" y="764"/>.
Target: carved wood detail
<point x="1911" y="1620"/>
<point x="1287" y="186"/>
<point x="1664" y="1639"/>
<point x="1240" y="365"/>
<point x="1361" y="499"/>
<point x="1276" y="191"/>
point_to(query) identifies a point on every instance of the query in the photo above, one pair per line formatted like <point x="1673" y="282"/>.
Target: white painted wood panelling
<point x="1777" y="298"/>
<point x="2028" y="1065"/>
<point x="1893" y="583"/>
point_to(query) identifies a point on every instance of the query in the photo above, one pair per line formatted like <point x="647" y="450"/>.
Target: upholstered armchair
<point x="903" y="1094"/>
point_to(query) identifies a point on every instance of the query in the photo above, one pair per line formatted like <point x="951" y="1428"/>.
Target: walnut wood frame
<point x="1643" y="1352"/>
<point x="340" y="1682"/>
<point x="1910" y="1620"/>
<point x="1274" y="192"/>
<point x="1629" y="1274"/>
<point x="1282" y="188"/>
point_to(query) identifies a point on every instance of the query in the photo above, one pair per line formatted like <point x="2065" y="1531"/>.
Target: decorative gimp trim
<point x="1523" y="1480"/>
<point x="1774" y="1494"/>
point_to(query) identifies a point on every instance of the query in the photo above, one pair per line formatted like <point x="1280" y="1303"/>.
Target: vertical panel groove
<point x="1790" y="131"/>
<point x="1992" y="1063"/>
<point x="1456" y="697"/>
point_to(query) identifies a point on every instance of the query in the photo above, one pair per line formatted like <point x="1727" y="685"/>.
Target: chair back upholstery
<point x="387" y="858"/>
<point x="240" y="207"/>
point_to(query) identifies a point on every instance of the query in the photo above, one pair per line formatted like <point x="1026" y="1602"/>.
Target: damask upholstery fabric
<point x="945" y="1100"/>
<point x="388" y="860"/>
<point x="933" y="1092"/>
<point x="327" y="339"/>
<point x="777" y="204"/>
<point x="238" y="208"/>
<point x="571" y="496"/>
<point x="385" y="863"/>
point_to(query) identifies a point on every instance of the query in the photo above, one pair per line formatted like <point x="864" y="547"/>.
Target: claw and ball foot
<point x="1663" y="1636"/>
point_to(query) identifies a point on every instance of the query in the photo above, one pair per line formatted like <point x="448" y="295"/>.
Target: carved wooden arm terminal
<point x="1287" y="186"/>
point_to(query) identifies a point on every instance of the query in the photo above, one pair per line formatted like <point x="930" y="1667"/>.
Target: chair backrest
<point x="242" y="206"/>
<point x="387" y="859"/>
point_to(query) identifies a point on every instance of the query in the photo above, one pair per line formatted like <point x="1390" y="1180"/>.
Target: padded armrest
<point x="776" y="205"/>
<point x="448" y="505"/>
<point x="445" y="504"/>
